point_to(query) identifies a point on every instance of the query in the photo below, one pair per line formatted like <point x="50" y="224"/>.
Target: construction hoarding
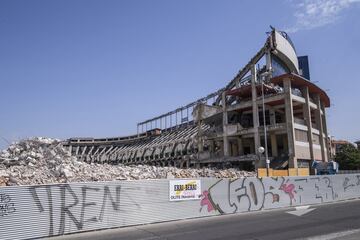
<point x="48" y="210"/>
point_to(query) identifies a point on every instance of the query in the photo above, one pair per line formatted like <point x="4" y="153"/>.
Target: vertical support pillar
<point x="319" y="124"/>
<point x="199" y="135"/>
<point x="307" y="116"/>
<point x="225" y="122"/>
<point x="289" y="113"/>
<point x="187" y="115"/>
<point x="285" y="142"/>
<point x="269" y="63"/>
<point x="70" y="149"/>
<point x="253" y="150"/>
<point x="255" y="111"/>
<point x="272" y="116"/>
<point x="176" y="118"/>
<point x="240" y="146"/>
<point x="274" y="150"/>
<point x="326" y="134"/>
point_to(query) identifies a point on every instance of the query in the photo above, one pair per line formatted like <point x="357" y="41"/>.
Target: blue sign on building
<point x="304" y="67"/>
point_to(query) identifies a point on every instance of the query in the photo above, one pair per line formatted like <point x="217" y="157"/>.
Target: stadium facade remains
<point x="227" y="126"/>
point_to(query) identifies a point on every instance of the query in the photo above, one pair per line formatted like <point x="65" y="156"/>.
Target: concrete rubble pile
<point x="43" y="160"/>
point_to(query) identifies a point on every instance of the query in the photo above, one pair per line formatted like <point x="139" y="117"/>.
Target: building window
<point x="316" y="139"/>
<point x="301" y="136"/>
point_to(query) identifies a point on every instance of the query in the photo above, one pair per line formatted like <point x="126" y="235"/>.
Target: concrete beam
<point x="249" y="103"/>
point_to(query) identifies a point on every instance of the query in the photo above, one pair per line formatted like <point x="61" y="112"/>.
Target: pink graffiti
<point x="289" y="189"/>
<point x="206" y="201"/>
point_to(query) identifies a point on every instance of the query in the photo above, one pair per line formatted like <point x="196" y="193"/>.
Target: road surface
<point x="329" y="221"/>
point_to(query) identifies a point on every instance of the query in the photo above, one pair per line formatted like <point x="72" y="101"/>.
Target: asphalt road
<point x="330" y="221"/>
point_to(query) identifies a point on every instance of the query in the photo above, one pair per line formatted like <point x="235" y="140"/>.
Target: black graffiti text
<point x="6" y="205"/>
<point x="70" y="199"/>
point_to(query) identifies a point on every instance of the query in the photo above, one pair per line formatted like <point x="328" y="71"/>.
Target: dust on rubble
<point x="42" y="160"/>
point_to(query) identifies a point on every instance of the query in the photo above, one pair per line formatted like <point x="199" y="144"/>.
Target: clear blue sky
<point x="96" y="68"/>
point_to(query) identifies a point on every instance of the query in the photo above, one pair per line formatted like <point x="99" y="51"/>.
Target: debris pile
<point x="44" y="160"/>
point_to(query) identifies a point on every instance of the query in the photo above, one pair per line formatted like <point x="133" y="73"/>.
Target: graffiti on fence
<point x="251" y="194"/>
<point x="74" y="204"/>
<point x="6" y="205"/>
<point x="205" y="201"/>
<point x="49" y="210"/>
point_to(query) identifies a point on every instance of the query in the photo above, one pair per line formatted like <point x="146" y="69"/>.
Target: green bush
<point x="348" y="158"/>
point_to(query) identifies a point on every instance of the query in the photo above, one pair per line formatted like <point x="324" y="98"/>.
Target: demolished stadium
<point x="227" y="126"/>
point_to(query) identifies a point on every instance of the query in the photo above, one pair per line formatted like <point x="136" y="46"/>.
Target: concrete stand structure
<point x="230" y="125"/>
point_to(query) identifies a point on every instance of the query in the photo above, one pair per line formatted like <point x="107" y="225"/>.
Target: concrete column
<point x="326" y="134"/>
<point x="70" y="149"/>
<point x="199" y="132"/>
<point x="255" y="111"/>
<point x="234" y="148"/>
<point x="307" y="116"/>
<point x="268" y="62"/>
<point x="272" y="116"/>
<point x="240" y="146"/>
<point x="285" y="142"/>
<point x="289" y="113"/>
<point x="253" y="150"/>
<point x="212" y="146"/>
<point x="225" y="122"/>
<point x="319" y="123"/>
<point x="77" y="150"/>
<point x="274" y="150"/>
<point x="197" y="165"/>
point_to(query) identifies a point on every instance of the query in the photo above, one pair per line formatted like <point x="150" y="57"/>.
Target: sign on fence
<point x="184" y="190"/>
